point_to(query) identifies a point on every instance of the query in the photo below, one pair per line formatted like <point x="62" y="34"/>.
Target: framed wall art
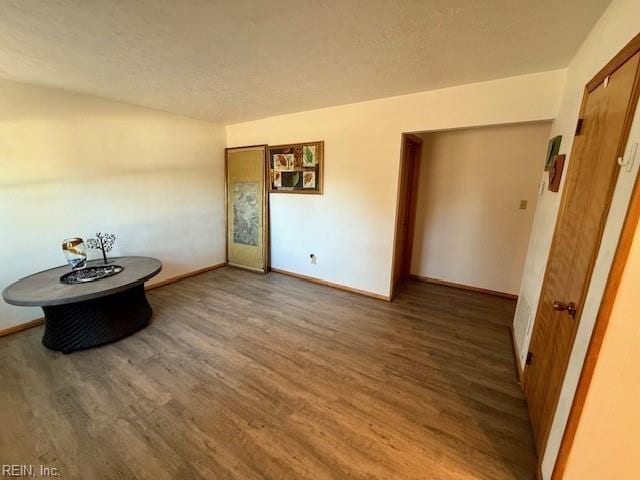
<point x="247" y="204"/>
<point x="555" y="173"/>
<point x="552" y="151"/>
<point x="296" y="168"/>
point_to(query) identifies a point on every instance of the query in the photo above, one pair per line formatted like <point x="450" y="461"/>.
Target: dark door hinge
<point x="579" y="126"/>
<point x="529" y="358"/>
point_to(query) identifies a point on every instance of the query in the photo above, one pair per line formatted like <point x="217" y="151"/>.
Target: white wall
<point x="350" y="228"/>
<point x="617" y="26"/>
<point x="469" y="228"/>
<point x="72" y="164"/>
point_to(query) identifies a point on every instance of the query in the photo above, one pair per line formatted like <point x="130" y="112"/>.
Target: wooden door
<point x="247" y="216"/>
<point x="407" y="194"/>
<point x="607" y="109"/>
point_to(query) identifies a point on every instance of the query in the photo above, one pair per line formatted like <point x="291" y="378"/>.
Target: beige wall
<point x="606" y="443"/>
<point x="350" y="228"/>
<point x="469" y="228"/>
<point x="72" y="164"/>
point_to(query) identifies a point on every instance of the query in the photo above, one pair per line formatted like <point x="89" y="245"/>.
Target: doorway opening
<point x="407" y="199"/>
<point x="466" y="199"/>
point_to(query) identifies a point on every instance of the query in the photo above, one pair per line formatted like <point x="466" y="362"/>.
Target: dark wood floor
<point x="248" y="376"/>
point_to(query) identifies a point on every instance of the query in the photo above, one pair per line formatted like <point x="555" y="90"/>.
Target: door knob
<point x="570" y="308"/>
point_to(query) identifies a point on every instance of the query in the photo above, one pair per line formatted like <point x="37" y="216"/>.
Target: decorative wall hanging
<point x="552" y="151"/>
<point x="247" y="218"/>
<point x="296" y="168"/>
<point x="555" y="172"/>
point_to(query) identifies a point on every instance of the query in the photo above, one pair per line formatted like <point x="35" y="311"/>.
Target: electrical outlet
<point x="523" y="204"/>
<point x="312" y="258"/>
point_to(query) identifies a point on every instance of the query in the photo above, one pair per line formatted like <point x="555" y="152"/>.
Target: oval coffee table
<point x="88" y="314"/>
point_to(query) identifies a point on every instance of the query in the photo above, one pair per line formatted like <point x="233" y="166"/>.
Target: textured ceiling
<point x="229" y="61"/>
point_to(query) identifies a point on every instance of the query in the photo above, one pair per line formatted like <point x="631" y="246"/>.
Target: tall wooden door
<point x="607" y="109"/>
<point x="407" y="192"/>
<point x="247" y="217"/>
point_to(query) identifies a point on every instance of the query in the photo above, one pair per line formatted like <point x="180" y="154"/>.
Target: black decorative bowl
<point x="90" y="274"/>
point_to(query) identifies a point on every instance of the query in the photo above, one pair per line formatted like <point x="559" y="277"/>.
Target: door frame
<point x="615" y="274"/>
<point x="413" y="189"/>
<point x="265" y="209"/>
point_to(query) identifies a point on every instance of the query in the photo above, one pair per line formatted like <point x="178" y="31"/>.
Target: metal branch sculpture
<point x="103" y="242"/>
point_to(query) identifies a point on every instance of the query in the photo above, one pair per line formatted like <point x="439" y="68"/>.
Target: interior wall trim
<point x="338" y="286"/>
<point x="22" y="326"/>
<point x="516" y="359"/>
<point x="461" y="286"/>
<point x="182" y="276"/>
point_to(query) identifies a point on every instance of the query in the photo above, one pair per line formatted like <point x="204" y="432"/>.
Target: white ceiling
<point x="235" y="60"/>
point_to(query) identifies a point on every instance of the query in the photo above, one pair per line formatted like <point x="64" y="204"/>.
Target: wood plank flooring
<point x="249" y="376"/>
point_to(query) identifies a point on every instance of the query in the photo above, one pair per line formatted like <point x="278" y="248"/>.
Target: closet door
<point x="247" y="218"/>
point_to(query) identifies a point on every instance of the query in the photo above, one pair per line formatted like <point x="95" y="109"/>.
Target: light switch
<point x="541" y="187"/>
<point x="523" y="204"/>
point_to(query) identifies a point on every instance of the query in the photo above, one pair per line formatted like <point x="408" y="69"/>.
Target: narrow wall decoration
<point x="247" y="218"/>
<point x="296" y="168"/>
<point x="555" y="173"/>
<point x="552" y="151"/>
<point x="246" y="213"/>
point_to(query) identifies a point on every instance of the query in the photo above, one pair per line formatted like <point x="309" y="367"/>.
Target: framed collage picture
<point x="296" y="168"/>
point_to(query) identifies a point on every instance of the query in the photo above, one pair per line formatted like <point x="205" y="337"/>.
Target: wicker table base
<point x="76" y="326"/>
